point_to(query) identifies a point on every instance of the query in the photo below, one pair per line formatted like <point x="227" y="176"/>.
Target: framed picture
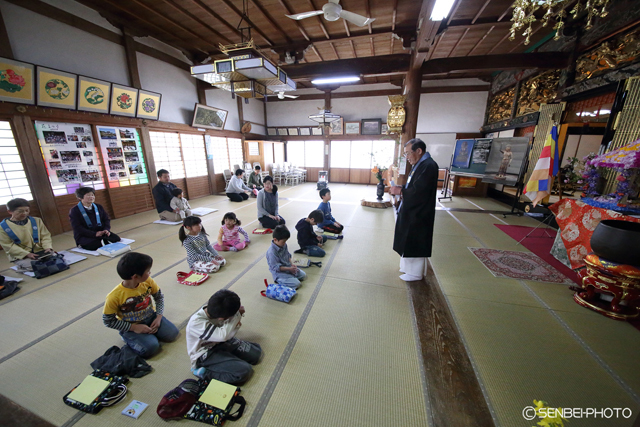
<point x="282" y="132"/>
<point x="305" y="131"/>
<point x="148" y="105"/>
<point x="17" y="82"/>
<point x="56" y="88"/>
<point x="316" y="130"/>
<point x="371" y="126"/>
<point x="292" y="131"/>
<point x="124" y="100"/>
<point x="352" y="128"/>
<point x="336" y="127"/>
<point x="272" y="131"/>
<point x="462" y="153"/>
<point x="384" y="129"/>
<point x="93" y="95"/>
<point x="209" y="117"/>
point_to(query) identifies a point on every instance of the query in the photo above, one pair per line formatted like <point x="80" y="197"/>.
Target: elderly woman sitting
<point x="90" y="222"/>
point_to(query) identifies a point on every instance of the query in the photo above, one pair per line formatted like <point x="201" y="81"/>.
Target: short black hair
<point x="133" y="263"/>
<point x="267" y="178"/>
<point x="257" y="167"/>
<point x="324" y="191"/>
<point x="161" y="172"/>
<point x="14" y="204"/>
<point x="176" y="192"/>
<point x="83" y="191"/>
<point x="223" y="304"/>
<point x="417" y="143"/>
<point x="281" y="232"/>
<point x="239" y="172"/>
<point x="317" y="216"/>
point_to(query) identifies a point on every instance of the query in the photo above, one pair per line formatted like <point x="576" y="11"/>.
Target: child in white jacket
<point x="179" y="204"/>
<point x="214" y="350"/>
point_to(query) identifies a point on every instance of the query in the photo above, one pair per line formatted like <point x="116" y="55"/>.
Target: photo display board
<point x="70" y="156"/>
<point x="122" y="154"/>
<point x="474" y="156"/>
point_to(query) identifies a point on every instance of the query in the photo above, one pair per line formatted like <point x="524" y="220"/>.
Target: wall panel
<point x="131" y="200"/>
<point x="198" y="186"/>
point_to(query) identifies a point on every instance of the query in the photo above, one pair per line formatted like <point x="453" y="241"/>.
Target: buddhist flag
<point x="541" y="179"/>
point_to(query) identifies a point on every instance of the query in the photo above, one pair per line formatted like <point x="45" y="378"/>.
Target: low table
<point x="620" y="281"/>
<point x="375" y="203"/>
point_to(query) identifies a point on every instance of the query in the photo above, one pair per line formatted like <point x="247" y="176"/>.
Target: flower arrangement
<point x="378" y="171"/>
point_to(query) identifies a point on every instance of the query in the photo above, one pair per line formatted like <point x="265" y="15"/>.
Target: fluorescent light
<point x="441" y="9"/>
<point x="335" y="80"/>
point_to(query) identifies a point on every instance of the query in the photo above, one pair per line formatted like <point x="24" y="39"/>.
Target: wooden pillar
<point x="5" y="43"/>
<point x="29" y="149"/>
<point x="240" y="100"/>
<point x="145" y="141"/>
<point x="202" y="87"/>
<point x="132" y="59"/>
<point x="325" y="130"/>
<point x="412" y="89"/>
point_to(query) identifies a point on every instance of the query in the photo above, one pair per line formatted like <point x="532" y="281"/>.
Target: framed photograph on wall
<point x="305" y="131"/>
<point x="384" y="129"/>
<point x="352" y="128"/>
<point x="282" y="132"/>
<point x="209" y="117"/>
<point x="56" y="88"/>
<point x="124" y="100"/>
<point x="148" y="105"/>
<point x="316" y="130"/>
<point x="371" y="126"/>
<point x="292" y="131"/>
<point x="272" y="131"/>
<point x="93" y="95"/>
<point x="17" y="82"/>
<point x="337" y="127"/>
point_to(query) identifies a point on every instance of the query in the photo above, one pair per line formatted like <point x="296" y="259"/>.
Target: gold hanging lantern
<point x="397" y="113"/>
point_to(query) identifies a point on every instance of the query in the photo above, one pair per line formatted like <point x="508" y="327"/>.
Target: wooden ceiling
<point x="198" y="27"/>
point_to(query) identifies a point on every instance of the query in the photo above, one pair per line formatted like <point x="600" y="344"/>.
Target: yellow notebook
<point x="326" y="233"/>
<point x="218" y="394"/>
<point x="90" y="388"/>
<point x="194" y="278"/>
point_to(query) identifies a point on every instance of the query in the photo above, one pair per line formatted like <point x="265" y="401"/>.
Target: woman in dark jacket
<point x="90" y="222"/>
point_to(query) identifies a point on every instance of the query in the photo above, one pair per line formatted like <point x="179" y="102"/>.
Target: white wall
<point x="254" y="112"/>
<point x="222" y="99"/>
<point x="451" y="112"/>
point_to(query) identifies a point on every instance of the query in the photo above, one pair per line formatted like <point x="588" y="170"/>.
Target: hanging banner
<point x="69" y="152"/>
<point x="122" y="153"/>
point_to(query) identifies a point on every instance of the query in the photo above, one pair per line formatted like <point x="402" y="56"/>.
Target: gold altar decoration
<point x="523" y="14"/>
<point x="540" y="89"/>
<point x="397" y="113"/>
<point x="501" y="105"/>
<point x="611" y="54"/>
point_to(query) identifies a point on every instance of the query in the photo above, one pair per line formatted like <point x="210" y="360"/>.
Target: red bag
<point x="176" y="403"/>
<point x="262" y="231"/>
<point x="191" y="278"/>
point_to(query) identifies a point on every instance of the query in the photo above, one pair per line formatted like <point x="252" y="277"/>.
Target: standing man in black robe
<point x="416" y="214"/>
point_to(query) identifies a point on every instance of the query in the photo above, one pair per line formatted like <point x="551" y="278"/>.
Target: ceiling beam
<point x="202" y="5"/>
<point x="271" y="20"/>
<point x="373" y="49"/>
<point x="246" y="18"/>
<point x="334" y="50"/>
<point x="552" y="60"/>
<point x="381" y="32"/>
<point x="287" y="8"/>
<point x="426" y="33"/>
<point x="381" y="64"/>
<point x="454" y="10"/>
<point x="458" y="42"/>
<point x="476" y="22"/>
<point x="481" y="40"/>
<point x="368" y="9"/>
<point x="322" y="27"/>
<point x="484" y="6"/>
<point x="387" y="92"/>
<point x="198" y="20"/>
<point x="346" y="27"/>
<point x="353" y="49"/>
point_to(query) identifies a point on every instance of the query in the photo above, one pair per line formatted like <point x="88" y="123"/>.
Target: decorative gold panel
<point x="538" y="90"/>
<point x="397" y="113"/>
<point x="611" y="54"/>
<point x="501" y="105"/>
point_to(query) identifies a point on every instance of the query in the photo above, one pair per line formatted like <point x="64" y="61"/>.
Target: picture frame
<point x="371" y="126"/>
<point x="209" y="117"/>
<point x="282" y="132"/>
<point x="272" y="131"/>
<point x="352" y="128"/>
<point x="292" y="131"/>
<point x="305" y="131"/>
<point x="462" y="153"/>
<point x="316" y="130"/>
<point x="148" y="105"/>
<point x="17" y="81"/>
<point x="384" y="129"/>
<point x="336" y="127"/>
<point x="93" y="95"/>
<point x="56" y="88"/>
<point x="124" y="100"/>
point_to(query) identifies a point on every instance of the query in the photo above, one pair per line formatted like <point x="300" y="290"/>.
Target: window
<point x="340" y="154"/>
<point x="313" y="154"/>
<point x="167" y="154"/>
<point x="382" y="153"/>
<point x="360" y="155"/>
<point x="195" y="158"/>
<point x="13" y="181"/>
<point x="220" y="154"/>
<point x="235" y="153"/>
<point x="295" y="153"/>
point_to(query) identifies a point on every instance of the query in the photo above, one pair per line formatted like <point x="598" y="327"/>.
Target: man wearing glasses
<point x="416" y="214"/>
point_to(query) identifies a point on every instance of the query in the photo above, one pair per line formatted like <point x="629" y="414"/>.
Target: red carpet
<point x="540" y="244"/>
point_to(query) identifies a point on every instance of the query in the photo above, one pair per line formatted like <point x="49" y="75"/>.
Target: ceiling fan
<point x="332" y="11"/>
<point x="282" y="95"/>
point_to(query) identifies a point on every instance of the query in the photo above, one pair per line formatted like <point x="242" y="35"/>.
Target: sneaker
<point x="233" y="249"/>
<point x="340" y="237"/>
<point x="199" y="372"/>
<point x="298" y="251"/>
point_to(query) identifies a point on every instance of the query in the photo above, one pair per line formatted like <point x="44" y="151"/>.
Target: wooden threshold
<point x="14" y="415"/>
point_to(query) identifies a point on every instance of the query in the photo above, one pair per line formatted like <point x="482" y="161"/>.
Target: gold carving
<point x="397" y="114"/>
<point x="608" y="56"/>
<point x="500" y="108"/>
<point x="537" y="90"/>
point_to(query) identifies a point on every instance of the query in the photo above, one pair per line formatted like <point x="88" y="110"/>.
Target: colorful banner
<point x="541" y="180"/>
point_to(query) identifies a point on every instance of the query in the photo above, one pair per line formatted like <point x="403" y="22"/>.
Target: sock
<point x="199" y="372"/>
<point x="233" y="249"/>
<point x="340" y="237"/>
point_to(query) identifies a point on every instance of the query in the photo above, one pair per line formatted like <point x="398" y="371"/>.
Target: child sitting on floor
<point x="128" y="307"/>
<point x="328" y="223"/>
<point x="228" y="237"/>
<point x="279" y="260"/>
<point x="200" y="254"/>
<point x="179" y="204"/>
<point x="214" y="350"/>
<point x="310" y="243"/>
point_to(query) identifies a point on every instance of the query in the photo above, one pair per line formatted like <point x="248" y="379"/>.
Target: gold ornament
<point x="397" y="113"/>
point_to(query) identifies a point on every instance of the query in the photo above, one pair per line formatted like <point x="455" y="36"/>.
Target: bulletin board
<point x="123" y="156"/>
<point x="478" y="157"/>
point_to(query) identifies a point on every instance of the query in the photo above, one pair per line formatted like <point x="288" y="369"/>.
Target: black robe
<point x="414" y="226"/>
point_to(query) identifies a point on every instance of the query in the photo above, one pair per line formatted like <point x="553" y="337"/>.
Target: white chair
<point x="227" y="177"/>
<point x="235" y="168"/>
<point x="276" y="173"/>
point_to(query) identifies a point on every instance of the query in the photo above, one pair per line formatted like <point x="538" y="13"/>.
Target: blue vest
<point x="13" y="236"/>
<point x="86" y="217"/>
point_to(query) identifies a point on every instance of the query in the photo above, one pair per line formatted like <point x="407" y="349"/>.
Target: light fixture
<point x="346" y="79"/>
<point x="441" y="9"/>
<point x="324" y="117"/>
<point x="523" y="14"/>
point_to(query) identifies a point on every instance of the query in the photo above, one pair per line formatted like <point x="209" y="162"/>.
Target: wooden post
<point x="132" y="59"/>
<point x="202" y="87"/>
<point x="145" y="141"/>
<point x="412" y="86"/>
<point x="325" y="131"/>
<point x="5" y="43"/>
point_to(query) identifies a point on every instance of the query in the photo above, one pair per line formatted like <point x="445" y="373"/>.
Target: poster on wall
<point x="481" y="151"/>
<point x="93" y="95"/>
<point x="122" y="153"/>
<point x="56" y="88"/>
<point x="16" y="82"/>
<point x="69" y="152"/>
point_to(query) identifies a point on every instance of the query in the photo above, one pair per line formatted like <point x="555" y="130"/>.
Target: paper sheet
<point x="126" y="241"/>
<point x="85" y="251"/>
<point x="162" y="221"/>
<point x="202" y="211"/>
<point x="218" y="394"/>
<point x="10" y="279"/>
<point x="26" y="273"/>
<point x="70" y="258"/>
<point x="90" y="388"/>
<point x="194" y="278"/>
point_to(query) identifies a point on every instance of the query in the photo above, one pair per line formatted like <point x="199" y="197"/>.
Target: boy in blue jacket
<point x="329" y="223"/>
